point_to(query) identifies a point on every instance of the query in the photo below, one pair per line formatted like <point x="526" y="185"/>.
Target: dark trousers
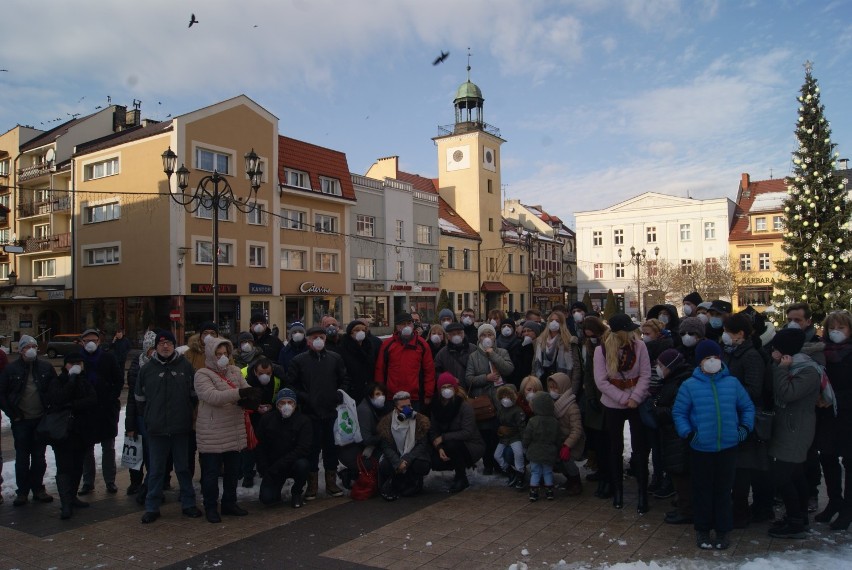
<point x="30" y="463"/>
<point x="488" y="431"/>
<point x="812" y="471"/>
<point x="712" y="480"/>
<point x="160" y="446"/>
<point x="70" y="457"/>
<point x="614" y="419"/>
<point x="835" y="483"/>
<point x="323" y="442"/>
<point x="210" y="464"/>
<point x="348" y="456"/>
<point x="759" y="484"/>
<point x="247" y="461"/>
<point x="792" y="486"/>
<point x="108" y="468"/>
<point x="459" y="456"/>
<point x="683" y="488"/>
<point x="598" y="440"/>
<point x="417" y="469"/>
<point x="272" y="484"/>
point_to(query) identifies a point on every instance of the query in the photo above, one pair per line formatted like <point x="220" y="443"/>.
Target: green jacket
<point x="541" y="436"/>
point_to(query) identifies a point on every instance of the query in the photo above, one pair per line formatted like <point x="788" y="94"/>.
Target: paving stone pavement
<point x="486" y="526"/>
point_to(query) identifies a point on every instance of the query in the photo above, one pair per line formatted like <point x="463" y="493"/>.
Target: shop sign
<point x="311" y="287"/>
<point x="757" y="281"/>
<point x="546" y="290"/>
<point x="55" y="295"/>
<point x="432" y="289"/>
<point x="208" y="288"/>
<point x="376" y="287"/>
<point x="258" y="289"/>
<point x="22" y="324"/>
<point x="400" y="287"/>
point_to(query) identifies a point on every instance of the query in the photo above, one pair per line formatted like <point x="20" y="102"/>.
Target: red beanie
<point x="447" y="378"/>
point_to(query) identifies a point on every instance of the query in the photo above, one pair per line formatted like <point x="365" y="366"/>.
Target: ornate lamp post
<point x="637" y="258"/>
<point x="218" y="198"/>
<point x="526" y="239"/>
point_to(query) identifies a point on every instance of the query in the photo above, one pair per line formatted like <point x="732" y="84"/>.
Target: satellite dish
<point x="50" y="155"/>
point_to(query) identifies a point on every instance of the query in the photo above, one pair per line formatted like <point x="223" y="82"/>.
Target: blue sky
<point x="599" y="100"/>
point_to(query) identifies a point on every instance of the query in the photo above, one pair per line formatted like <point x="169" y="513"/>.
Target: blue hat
<point x="707" y="348"/>
<point x="286" y="394"/>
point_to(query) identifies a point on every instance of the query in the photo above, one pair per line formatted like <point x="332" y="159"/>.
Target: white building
<point x="683" y="231"/>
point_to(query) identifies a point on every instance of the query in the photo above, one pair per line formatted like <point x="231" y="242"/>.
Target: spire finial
<point x="468" y="63"/>
<point x="808" y="65"/>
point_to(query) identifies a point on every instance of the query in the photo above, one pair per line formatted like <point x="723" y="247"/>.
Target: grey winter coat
<point x="479" y="366"/>
<point x="796" y="391"/>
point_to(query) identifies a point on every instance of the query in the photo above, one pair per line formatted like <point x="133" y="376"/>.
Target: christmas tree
<point x="817" y="268"/>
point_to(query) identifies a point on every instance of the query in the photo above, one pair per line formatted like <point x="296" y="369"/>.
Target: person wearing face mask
<point x="420" y="327"/>
<point x="295" y="346"/>
<point x="285" y="437"/>
<point x="445" y="317"/>
<point x="557" y="350"/>
<point x="508" y="340"/>
<point x="691" y="332"/>
<point x="573" y="444"/>
<point x="657" y="338"/>
<point x="316" y="376"/>
<point x="577" y="313"/>
<point x="436" y="336"/>
<point x="23" y="385"/>
<point x="269" y="378"/>
<point x="530" y="331"/>
<point x="247" y="352"/>
<point x="511" y="420"/>
<point x="404" y="363"/>
<point x="333" y="335"/>
<point x="714" y="413"/>
<point x="597" y="440"/>
<point x="268" y="343"/>
<point x="716" y="314"/>
<point x="70" y="390"/>
<point x="456" y="443"/>
<point x="195" y="344"/>
<point x="359" y="359"/>
<point x="454" y="356"/>
<point x="701" y="311"/>
<point x="486" y="368"/>
<point x="690" y="304"/>
<point x="799" y="316"/>
<point x="667" y="315"/>
<point x="468" y="319"/>
<point x="133" y="422"/>
<point x="530" y="385"/>
<point x="107" y="377"/>
<point x="220" y="429"/>
<point x="746" y="363"/>
<point x="371" y="409"/>
<point x="404" y="442"/>
<point x="494" y="318"/>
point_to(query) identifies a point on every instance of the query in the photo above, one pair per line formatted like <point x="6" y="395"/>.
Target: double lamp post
<point x="637" y="258"/>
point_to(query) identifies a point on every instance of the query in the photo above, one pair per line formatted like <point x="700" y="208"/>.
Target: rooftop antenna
<point x="770" y="173"/>
<point x="468" y="64"/>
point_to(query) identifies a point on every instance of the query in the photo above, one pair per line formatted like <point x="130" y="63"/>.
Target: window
<point x="44" y="268"/>
<point x="686" y="266"/>
<point x="424" y="234"/>
<point x="212" y="161"/>
<point x="490" y="186"/>
<point x="424" y="272"/>
<point x="619" y="270"/>
<point x="365" y="268"/>
<point x="293" y="219"/>
<point x="4" y="200"/>
<point x="325" y="224"/>
<point x="685" y="232"/>
<point x="597" y="238"/>
<point x="511" y="264"/>
<point x="257" y="256"/>
<point x="466" y="259"/>
<point x="709" y="230"/>
<point x="652" y="268"/>
<point x="4" y="270"/>
<point x="365" y="225"/>
<point x="330" y="186"/>
<point x="207" y="213"/>
<point x="101" y="255"/>
<point x="521" y="265"/>
<point x="296" y="178"/>
<point x="5" y="236"/>
<point x="755" y="296"/>
<point x="400" y="230"/>
<point x="490" y="224"/>
<point x="101" y="213"/>
<point x="492" y="264"/>
<point x="711" y="264"/>
<point x="325" y="261"/>
<point x="777" y="223"/>
<point x="257" y="215"/>
<point x="41" y="231"/>
<point x="763" y="261"/>
<point x="400" y="270"/>
<point x="204" y="253"/>
<point x="760" y="224"/>
<point x="451" y="257"/>
<point x="4" y="167"/>
<point x="745" y="262"/>
<point x="293" y="260"/>
<point x="651" y="234"/>
<point x="100" y="169"/>
<point x="598" y="270"/>
<point x="618" y="237"/>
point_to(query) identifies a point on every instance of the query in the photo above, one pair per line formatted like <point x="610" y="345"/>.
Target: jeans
<point x="107" y="463"/>
<point x="517" y="454"/>
<point x="539" y="471"/>
<point x="159" y="447"/>
<point x="271" y="485"/>
<point x="30" y="463"/>
<point x="712" y="476"/>
<point x="323" y="441"/>
<point x="210" y="463"/>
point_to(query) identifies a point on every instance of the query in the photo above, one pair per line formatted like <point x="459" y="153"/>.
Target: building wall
<point x="463" y="284"/>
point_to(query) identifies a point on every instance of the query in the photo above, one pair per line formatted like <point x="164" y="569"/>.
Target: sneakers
<point x="41" y="496"/>
<point x="723" y="542"/>
<point x="548" y="493"/>
<point x="702" y="540"/>
<point x="533" y="494"/>
<point x="20" y="500"/>
<point x="234" y="510"/>
<point x="86" y="489"/>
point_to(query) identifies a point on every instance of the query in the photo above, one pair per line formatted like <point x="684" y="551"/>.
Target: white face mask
<point x="578" y="317"/>
<point x="74" y="370"/>
<point x="287" y="410"/>
<point x="406" y="331"/>
<point x="527" y="341"/>
<point x="90" y="346"/>
<point x="659" y="371"/>
<point x="646" y="338"/>
<point x="507" y="402"/>
<point x="467" y="321"/>
<point x="507" y="331"/>
<point x="258" y="328"/>
<point x="494" y="323"/>
<point x="554" y="394"/>
<point x="445" y="324"/>
<point x="30" y="354"/>
<point x="222" y="361"/>
<point x="264" y="379"/>
<point x="711" y="365"/>
<point x="245" y="347"/>
<point x="593" y="340"/>
<point x="664" y="319"/>
<point x="378" y="401"/>
<point x="435" y="338"/>
<point x="457" y="339"/>
<point x="687" y="310"/>
<point x="447" y="393"/>
<point x="689" y="340"/>
<point x="487" y="342"/>
<point x="703" y="318"/>
<point x="793" y="325"/>
<point x="530" y="396"/>
<point x="360" y="336"/>
<point x="726" y="339"/>
<point x="318" y="344"/>
<point x="836" y="336"/>
<point x="553" y="326"/>
<point x="297" y="337"/>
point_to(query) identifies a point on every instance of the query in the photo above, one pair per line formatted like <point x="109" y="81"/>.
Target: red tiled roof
<point x="316" y="161"/>
<point x="745" y="198"/>
<point x="493" y="287"/>
<point x="419" y="182"/>
<point x="453" y="224"/>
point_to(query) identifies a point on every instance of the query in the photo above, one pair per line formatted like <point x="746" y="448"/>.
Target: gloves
<point x="251" y="392"/>
<point x="742" y="433"/>
<point x="565" y="453"/>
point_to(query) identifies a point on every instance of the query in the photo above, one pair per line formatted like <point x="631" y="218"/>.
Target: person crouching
<point x="405" y="449"/>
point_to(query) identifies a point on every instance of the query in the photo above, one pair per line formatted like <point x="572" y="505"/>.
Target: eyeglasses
<point x="688" y="334"/>
<point x="165" y="343"/>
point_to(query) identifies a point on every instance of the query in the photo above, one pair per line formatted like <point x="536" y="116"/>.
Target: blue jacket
<point x="712" y="407"/>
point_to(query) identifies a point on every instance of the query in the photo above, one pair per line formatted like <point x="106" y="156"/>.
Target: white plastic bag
<point x="346" y="428"/>
<point x="131" y="454"/>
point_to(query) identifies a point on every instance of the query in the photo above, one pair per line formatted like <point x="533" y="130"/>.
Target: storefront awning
<point x="493" y="287"/>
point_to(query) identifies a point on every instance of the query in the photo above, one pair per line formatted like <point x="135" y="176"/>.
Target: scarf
<point x="835" y="352"/>
<point x="626" y="358"/>
<point x="403" y="433"/>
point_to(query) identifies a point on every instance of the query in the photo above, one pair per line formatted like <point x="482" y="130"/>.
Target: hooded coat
<point x="796" y="389"/>
<point x="541" y="436"/>
<point x="674" y="449"/>
<point x="455" y="421"/>
<point x="221" y="421"/>
<point x="360" y="362"/>
<point x="674" y="320"/>
<point x="195" y="353"/>
<point x="568" y="414"/>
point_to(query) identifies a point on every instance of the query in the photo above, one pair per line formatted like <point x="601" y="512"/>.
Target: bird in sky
<point x="4" y="70"/>
<point x="192" y="20"/>
<point x="440" y="59"/>
<point x="98" y="107"/>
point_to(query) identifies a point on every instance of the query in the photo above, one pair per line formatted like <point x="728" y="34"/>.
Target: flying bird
<point x="440" y="59"/>
<point x="4" y="70"/>
<point x="98" y="107"/>
<point x="192" y="20"/>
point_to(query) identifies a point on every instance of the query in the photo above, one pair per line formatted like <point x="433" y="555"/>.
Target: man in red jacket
<point x="404" y="363"/>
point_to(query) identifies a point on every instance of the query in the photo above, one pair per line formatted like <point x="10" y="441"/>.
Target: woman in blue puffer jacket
<point x="714" y="413"/>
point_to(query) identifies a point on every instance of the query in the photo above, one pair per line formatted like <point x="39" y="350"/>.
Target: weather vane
<point x="468" y="64"/>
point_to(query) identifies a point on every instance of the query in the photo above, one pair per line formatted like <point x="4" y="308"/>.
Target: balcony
<point x="31" y="172"/>
<point x="55" y="204"/>
<point x="54" y="243"/>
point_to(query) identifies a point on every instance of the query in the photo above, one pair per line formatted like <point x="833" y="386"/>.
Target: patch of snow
<point x="525" y="552"/>
<point x="429" y="543"/>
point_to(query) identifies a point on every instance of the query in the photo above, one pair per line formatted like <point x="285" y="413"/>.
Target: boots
<point x="574" y="486"/>
<point x="618" y="483"/>
<point x="604" y="490"/>
<point x="313" y="483"/>
<point x="331" y="488"/>
<point x="548" y="492"/>
<point x="642" y="483"/>
<point x="533" y="494"/>
<point x="844" y="519"/>
<point x="66" y="496"/>
<point x="831" y="509"/>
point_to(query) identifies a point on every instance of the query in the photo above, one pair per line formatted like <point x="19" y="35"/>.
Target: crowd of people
<point x="725" y="414"/>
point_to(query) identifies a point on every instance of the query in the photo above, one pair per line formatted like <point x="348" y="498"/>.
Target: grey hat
<point x="286" y="394"/>
<point x="692" y="325"/>
<point x="91" y="331"/>
<point x="446" y="314"/>
<point x="533" y="326"/>
<point x="245" y="337"/>
<point x="26" y="340"/>
<point x="485" y="327"/>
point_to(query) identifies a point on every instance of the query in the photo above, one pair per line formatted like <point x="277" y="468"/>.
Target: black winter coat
<point x="316" y="377"/>
<point x="675" y="450"/>
<point x="133" y="409"/>
<point x="360" y="362"/>
<point x="13" y="379"/>
<point x="747" y="365"/>
<point x="513" y="347"/>
<point x="107" y="377"/>
<point x="270" y="345"/>
<point x="76" y="393"/>
<point x="282" y="441"/>
<point x="291" y="351"/>
<point x="167" y="390"/>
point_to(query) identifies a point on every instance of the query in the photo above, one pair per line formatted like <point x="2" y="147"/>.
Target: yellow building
<point x="755" y="240"/>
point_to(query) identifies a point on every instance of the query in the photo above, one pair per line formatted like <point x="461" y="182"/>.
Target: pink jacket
<point x="611" y="395"/>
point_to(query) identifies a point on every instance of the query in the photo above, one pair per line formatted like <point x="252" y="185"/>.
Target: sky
<point x="598" y="100"/>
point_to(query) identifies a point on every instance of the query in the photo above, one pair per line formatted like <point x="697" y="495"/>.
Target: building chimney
<point x="745" y="181"/>
<point x="843" y="163"/>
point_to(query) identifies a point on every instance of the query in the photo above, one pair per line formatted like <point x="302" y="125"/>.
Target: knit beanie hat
<point x="533" y="326"/>
<point x="165" y="335"/>
<point x="447" y="378"/>
<point x="707" y="348"/>
<point x="692" y="325"/>
<point x="789" y="341"/>
<point x="297" y="326"/>
<point x="149" y="340"/>
<point x="579" y="305"/>
<point x="670" y="358"/>
<point x="209" y="326"/>
<point x="27" y="340"/>
<point x="402" y="318"/>
<point x="485" y="327"/>
<point x="353" y="324"/>
<point x="455" y="326"/>
<point x="286" y="393"/>
<point x="446" y="314"/>
<point x="245" y="336"/>
<point x="693" y="298"/>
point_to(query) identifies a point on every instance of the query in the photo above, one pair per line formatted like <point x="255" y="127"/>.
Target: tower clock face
<point x="489" y="159"/>
<point x="458" y="158"/>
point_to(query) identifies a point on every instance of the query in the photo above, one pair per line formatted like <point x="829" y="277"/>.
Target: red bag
<point x="367" y="484"/>
<point x="251" y="438"/>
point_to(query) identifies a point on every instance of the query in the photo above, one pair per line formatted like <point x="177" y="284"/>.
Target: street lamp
<point x="221" y="197"/>
<point x="637" y="258"/>
<point x="526" y="238"/>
